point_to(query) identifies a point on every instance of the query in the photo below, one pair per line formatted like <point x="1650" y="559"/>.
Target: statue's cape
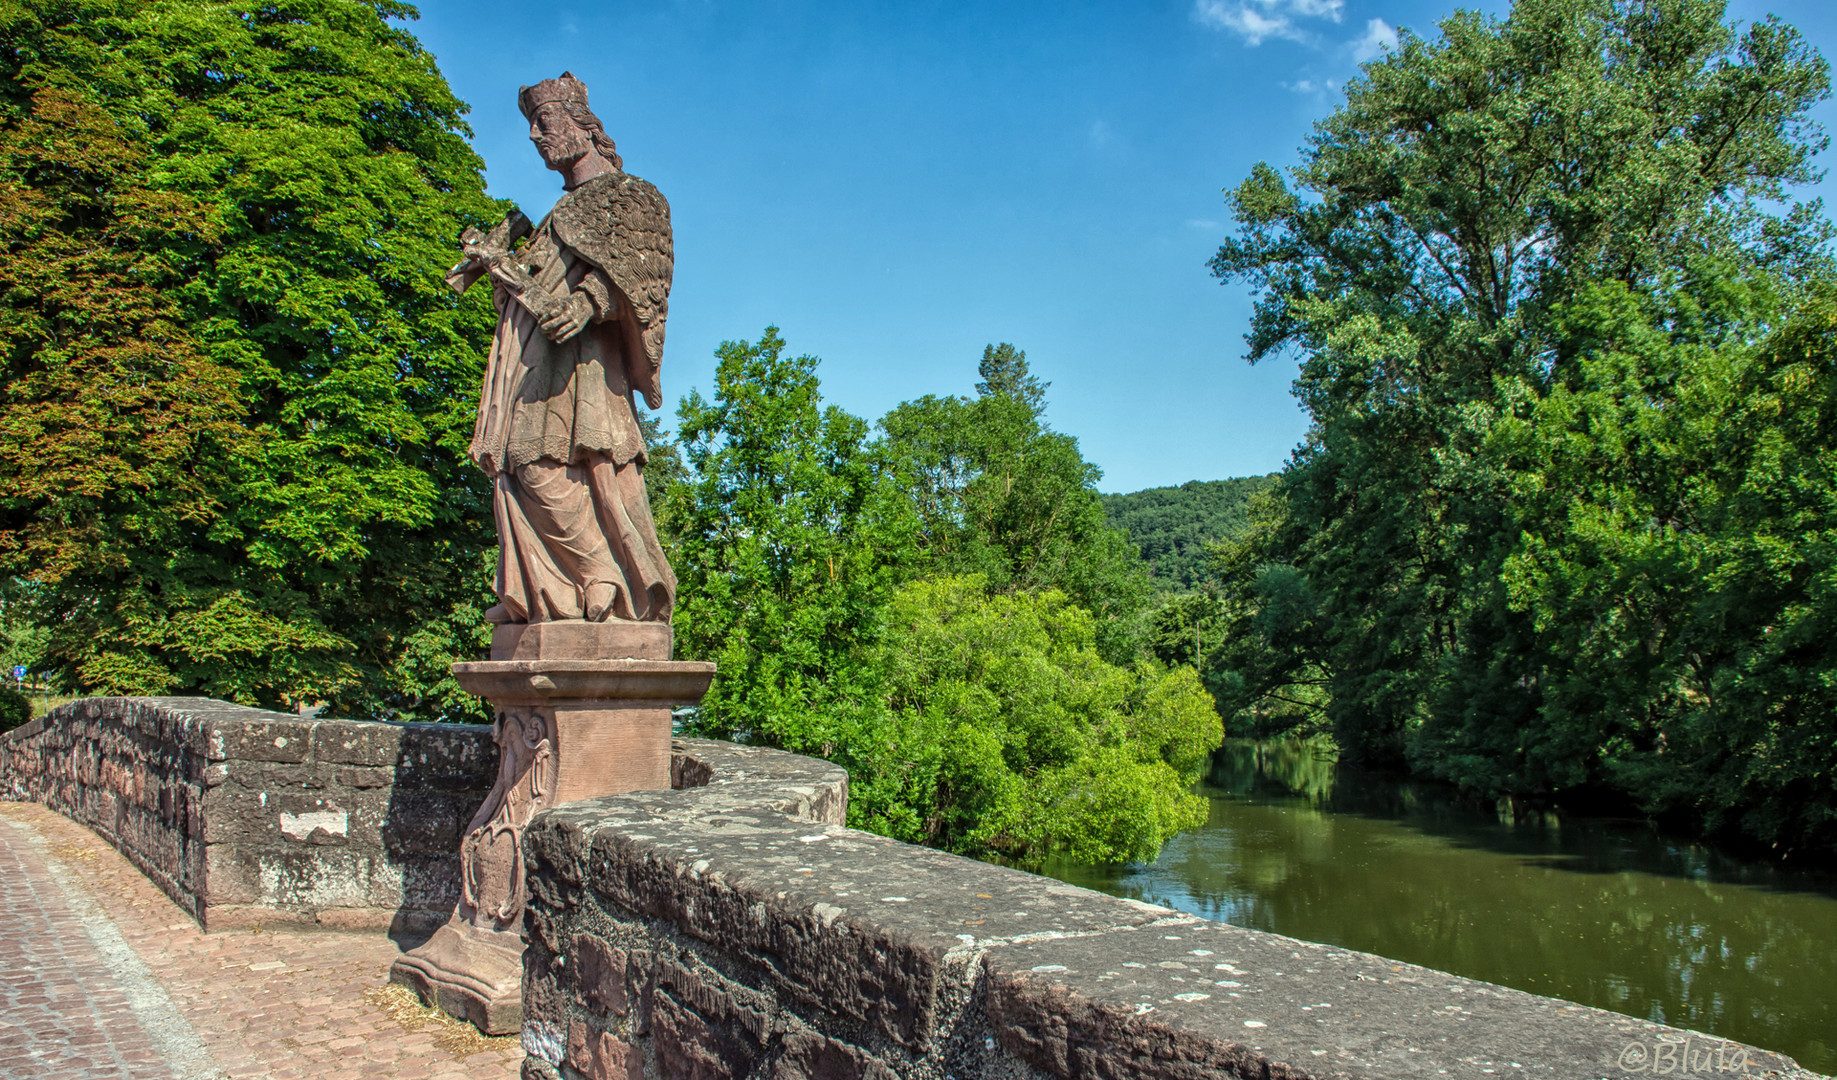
<point x="621" y="225"/>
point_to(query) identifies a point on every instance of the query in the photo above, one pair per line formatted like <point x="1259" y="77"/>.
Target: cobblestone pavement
<point x="102" y="976"/>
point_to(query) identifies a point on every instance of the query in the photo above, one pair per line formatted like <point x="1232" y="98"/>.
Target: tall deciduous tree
<point x="1678" y="492"/>
<point x="1003" y="497"/>
<point x="237" y="393"/>
<point x="791" y="535"/>
<point x="1421" y="259"/>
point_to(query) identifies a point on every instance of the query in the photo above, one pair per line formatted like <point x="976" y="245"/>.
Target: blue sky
<point x="898" y="185"/>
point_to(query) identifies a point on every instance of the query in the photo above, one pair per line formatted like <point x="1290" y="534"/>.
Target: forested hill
<point x="1172" y="525"/>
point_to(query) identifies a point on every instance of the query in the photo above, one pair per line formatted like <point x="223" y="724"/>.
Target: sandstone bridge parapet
<point x="734" y="929"/>
<point x="246" y="817"/>
<point x="738" y="930"/>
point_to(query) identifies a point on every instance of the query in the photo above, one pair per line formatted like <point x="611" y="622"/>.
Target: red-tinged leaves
<point x="237" y="392"/>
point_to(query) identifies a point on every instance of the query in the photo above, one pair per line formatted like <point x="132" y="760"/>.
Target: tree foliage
<point x="1175" y="527"/>
<point x="1002" y="497"/>
<point x="1005" y="373"/>
<point x="792" y="533"/>
<point x="1007" y="734"/>
<point x="1679" y="492"/>
<point x="1444" y="232"/>
<point x="237" y="393"/>
<point x="15" y="709"/>
<point x="980" y="720"/>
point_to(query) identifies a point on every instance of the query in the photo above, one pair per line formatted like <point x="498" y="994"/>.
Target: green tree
<point x="1004" y="372"/>
<point x="792" y="533"/>
<point x="1175" y="527"/>
<point x="237" y="393"/>
<point x="1008" y="735"/>
<point x="1678" y="489"/>
<point x="15" y="709"/>
<point x="1438" y="224"/>
<point x="1001" y="496"/>
<point x="985" y="724"/>
<point x="22" y="641"/>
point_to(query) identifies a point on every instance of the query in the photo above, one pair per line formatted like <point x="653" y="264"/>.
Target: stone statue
<point x="580" y="675"/>
<point x="581" y="309"/>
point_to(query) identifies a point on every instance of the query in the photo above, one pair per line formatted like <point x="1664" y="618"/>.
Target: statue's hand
<point x="478" y="247"/>
<point x="567" y="318"/>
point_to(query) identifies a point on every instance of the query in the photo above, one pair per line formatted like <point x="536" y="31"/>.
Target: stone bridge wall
<point x="246" y="817"/>
<point x="735" y="929"/>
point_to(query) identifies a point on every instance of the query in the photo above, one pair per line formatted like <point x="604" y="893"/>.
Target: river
<point x="1604" y="912"/>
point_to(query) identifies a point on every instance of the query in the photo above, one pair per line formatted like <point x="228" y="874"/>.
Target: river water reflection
<point x="1607" y="913"/>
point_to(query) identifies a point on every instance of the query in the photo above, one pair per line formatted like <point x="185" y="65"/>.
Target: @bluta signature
<point x="1669" y="1055"/>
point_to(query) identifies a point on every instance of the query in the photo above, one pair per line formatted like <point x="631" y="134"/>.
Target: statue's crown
<point x="567" y="90"/>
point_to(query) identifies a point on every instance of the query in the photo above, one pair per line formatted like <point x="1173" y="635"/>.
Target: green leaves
<point x="1174" y="526"/>
<point x="982" y="720"/>
<point x="229" y="351"/>
<point x="791" y="535"/>
<point x="1526" y="266"/>
<point x="1009" y="735"/>
<point x="1002" y="496"/>
<point x="1681" y="494"/>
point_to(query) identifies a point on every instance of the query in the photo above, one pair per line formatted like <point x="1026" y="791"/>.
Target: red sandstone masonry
<point x="247" y="817"/>
<point x="736" y="930"/>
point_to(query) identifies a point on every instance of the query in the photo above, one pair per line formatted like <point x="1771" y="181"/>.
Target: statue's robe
<point x="556" y="427"/>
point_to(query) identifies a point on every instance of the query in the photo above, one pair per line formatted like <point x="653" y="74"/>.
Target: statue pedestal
<point x="567" y="729"/>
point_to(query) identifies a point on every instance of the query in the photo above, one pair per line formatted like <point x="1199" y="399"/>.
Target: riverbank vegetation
<point x="941" y="608"/>
<point x="1561" y="524"/>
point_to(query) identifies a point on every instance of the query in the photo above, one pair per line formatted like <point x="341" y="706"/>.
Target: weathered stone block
<point x="599" y="972"/>
<point x="446" y="753"/>
<point x="428" y="823"/>
<point x="809" y="1056"/>
<point x="689" y="1047"/>
<point x="346" y="742"/>
<point x="231" y="876"/>
<point x="361" y="777"/>
<point x="266" y="740"/>
<point x="279" y="815"/>
<point x="600" y="1055"/>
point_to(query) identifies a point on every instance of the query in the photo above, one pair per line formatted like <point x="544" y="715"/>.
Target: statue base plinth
<point x="567" y="730"/>
<point x="610" y="640"/>
<point x="471" y="974"/>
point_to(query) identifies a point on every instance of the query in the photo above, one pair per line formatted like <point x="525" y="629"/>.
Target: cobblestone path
<point x="102" y="976"/>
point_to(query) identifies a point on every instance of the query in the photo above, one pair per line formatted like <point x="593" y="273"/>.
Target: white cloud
<point x="1319" y="9"/>
<point x="1100" y="135"/>
<point x="1257" y="20"/>
<point x="1380" y="37"/>
<point x="1311" y="86"/>
<point x="1244" y="20"/>
<point x="1203" y="224"/>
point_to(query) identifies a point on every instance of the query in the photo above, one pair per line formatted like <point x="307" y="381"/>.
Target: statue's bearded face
<point x="560" y="140"/>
